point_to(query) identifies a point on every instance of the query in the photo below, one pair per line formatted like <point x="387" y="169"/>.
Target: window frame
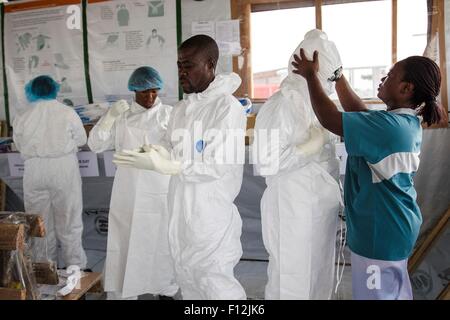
<point x="242" y="9"/>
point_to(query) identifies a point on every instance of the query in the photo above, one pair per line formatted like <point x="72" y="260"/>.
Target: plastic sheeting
<point x="432" y="180"/>
<point x="433" y="274"/>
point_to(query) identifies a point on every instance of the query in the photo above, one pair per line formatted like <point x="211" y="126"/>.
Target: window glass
<point x="274" y="36"/>
<point x="362" y="33"/>
<point x="412" y="24"/>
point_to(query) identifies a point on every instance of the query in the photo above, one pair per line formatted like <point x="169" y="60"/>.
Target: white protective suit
<point x="48" y="136"/>
<point x="138" y="258"/>
<point x="205" y="225"/>
<point x="299" y="208"/>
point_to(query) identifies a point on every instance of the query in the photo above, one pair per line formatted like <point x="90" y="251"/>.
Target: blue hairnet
<point x="41" y="88"/>
<point x="145" y="78"/>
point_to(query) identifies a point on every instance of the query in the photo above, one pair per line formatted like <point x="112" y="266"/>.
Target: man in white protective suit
<point x="300" y="207"/>
<point x="48" y="136"/>
<point x="138" y="259"/>
<point x="205" y="225"/>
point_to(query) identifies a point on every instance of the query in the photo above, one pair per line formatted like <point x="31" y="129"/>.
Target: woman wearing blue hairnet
<point x="48" y="136"/>
<point x="138" y="260"/>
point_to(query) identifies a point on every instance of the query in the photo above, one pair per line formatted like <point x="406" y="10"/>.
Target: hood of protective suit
<point x="290" y="110"/>
<point x="329" y="61"/>
<point x="294" y="86"/>
<point x="224" y="83"/>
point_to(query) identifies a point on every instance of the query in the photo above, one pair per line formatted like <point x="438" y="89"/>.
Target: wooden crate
<point x="11" y="239"/>
<point x="12" y="294"/>
<point x="15" y="228"/>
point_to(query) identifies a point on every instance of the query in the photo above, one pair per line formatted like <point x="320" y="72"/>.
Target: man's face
<point x="195" y="72"/>
<point x="146" y="98"/>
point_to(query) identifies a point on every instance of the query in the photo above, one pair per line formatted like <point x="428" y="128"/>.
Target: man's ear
<point x="212" y="64"/>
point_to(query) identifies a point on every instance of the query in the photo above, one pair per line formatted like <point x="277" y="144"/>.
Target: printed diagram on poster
<point x="155" y="43"/>
<point x="226" y="33"/>
<point x="37" y="41"/>
<point x="155" y="8"/>
<point x="123" y="15"/>
<point x="204" y="27"/>
<point x="228" y="37"/>
<point x="125" y="35"/>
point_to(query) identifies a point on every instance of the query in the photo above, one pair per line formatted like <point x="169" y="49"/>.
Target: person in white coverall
<point x="48" y="136"/>
<point x="299" y="208"/>
<point x="138" y="259"/>
<point x="205" y="225"/>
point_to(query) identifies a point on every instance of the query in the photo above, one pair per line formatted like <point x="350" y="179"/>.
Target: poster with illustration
<point x="124" y="35"/>
<point x="2" y="96"/>
<point x="42" y="38"/>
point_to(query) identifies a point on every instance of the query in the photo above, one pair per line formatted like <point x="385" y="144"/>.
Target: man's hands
<point x="304" y="67"/>
<point x="154" y="157"/>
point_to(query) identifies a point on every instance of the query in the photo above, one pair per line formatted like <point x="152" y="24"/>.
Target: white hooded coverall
<point x="205" y="225"/>
<point x="48" y="136"/>
<point x="138" y="258"/>
<point x="299" y="208"/>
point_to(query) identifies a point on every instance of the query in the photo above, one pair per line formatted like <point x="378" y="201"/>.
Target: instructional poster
<point x="2" y="93"/>
<point x="124" y="35"/>
<point x="44" y="39"/>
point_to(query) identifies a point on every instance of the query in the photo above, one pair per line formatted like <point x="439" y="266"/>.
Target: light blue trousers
<point x="380" y="280"/>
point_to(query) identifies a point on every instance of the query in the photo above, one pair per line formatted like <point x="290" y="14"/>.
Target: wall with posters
<point x="47" y="37"/>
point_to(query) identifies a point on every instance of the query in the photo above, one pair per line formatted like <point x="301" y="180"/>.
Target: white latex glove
<point x="118" y="108"/>
<point x="148" y="160"/>
<point x="72" y="280"/>
<point x="163" y="164"/>
<point x="113" y="113"/>
<point x="315" y="143"/>
<point x="160" y="149"/>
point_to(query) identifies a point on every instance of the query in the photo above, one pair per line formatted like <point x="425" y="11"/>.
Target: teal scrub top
<point x="383" y="218"/>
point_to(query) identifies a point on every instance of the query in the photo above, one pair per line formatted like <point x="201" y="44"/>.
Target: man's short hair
<point x="204" y="44"/>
